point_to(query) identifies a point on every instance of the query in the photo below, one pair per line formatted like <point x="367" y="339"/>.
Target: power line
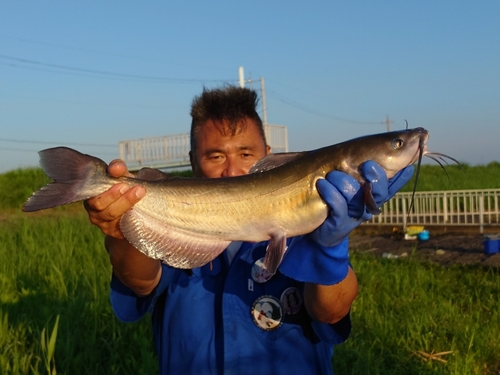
<point x="72" y="69"/>
<point x="108" y="53"/>
<point x="318" y="113"/>
<point x="33" y="151"/>
<point x="55" y="142"/>
<point x="60" y="72"/>
<point x="17" y="149"/>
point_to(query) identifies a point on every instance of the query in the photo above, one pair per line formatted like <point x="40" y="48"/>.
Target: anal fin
<point x="174" y="246"/>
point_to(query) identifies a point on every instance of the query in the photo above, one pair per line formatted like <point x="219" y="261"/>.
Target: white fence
<point x="173" y="150"/>
<point x="277" y="138"/>
<point x="158" y="152"/>
<point x="452" y="207"/>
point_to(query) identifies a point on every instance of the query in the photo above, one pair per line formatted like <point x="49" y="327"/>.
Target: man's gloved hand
<point x="322" y="256"/>
<point x="347" y="203"/>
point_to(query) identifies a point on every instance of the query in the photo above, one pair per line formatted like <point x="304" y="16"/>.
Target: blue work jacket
<point x="225" y="319"/>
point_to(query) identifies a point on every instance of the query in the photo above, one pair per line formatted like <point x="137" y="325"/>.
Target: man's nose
<point x="233" y="168"/>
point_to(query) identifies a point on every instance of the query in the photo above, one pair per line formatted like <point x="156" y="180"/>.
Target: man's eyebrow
<point x="216" y="150"/>
<point x="246" y="147"/>
<point x="212" y="151"/>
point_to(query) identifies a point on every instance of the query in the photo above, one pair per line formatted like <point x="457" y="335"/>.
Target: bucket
<point x="423" y="236"/>
<point x="491" y="244"/>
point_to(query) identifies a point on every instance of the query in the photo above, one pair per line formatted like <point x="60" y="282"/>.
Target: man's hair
<point x="229" y="103"/>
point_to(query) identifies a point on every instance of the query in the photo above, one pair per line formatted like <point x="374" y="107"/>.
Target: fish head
<point x="396" y="150"/>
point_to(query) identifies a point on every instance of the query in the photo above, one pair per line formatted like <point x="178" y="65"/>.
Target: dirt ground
<point x="443" y="248"/>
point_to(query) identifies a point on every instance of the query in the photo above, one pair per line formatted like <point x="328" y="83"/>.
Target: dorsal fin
<point x="274" y="160"/>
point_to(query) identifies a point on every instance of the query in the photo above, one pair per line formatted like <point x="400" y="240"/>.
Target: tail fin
<point x="75" y="178"/>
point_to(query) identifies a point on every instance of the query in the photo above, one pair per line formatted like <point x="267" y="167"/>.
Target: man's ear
<point x="194" y="165"/>
<point x="191" y="159"/>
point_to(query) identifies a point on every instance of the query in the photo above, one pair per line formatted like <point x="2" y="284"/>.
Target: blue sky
<point x="89" y="74"/>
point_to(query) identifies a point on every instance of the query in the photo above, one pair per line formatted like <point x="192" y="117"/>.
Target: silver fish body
<point x="187" y="222"/>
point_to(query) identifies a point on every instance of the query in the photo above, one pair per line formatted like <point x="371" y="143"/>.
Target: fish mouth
<point x="422" y="151"/>
<point x="422" y="135"/>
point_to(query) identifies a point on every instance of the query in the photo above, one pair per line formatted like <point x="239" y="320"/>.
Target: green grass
<point x="55" y="267"/>
<point x="405" y="306"/>
<point x="17" y="185"/>
<point x="463" y="177"/>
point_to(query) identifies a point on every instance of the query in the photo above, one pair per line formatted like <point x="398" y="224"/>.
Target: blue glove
<point x="347" y="201"/>
<point x="322" y="256"/>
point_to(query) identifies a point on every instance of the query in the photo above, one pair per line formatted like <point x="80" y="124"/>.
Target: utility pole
<point x="241" y="77"/>
<point x="241" y="82"/>
<point x="264" y="105"/>
<point x="388" y="123"/>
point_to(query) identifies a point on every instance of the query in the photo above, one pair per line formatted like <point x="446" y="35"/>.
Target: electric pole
<point x="241" y="77"/>
<point x="264" y="105"/>
<point x="241" y="81"/>
<point x="388" y="123"/>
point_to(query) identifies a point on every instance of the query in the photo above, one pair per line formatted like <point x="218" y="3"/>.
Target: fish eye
<point x="397" y="143"/>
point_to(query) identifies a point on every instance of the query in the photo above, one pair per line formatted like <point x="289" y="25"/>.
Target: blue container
<point x="491" y="244"/>
<point x="423" y="236"/>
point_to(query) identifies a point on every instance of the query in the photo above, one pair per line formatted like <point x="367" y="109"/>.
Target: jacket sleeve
<point x="127" y="306"/>
<point x="336" y="333"/>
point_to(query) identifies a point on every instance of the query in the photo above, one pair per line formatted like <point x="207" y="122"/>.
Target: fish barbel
<point x="187" y="222"/>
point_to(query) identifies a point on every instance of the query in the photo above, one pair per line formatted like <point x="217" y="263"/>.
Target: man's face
<point x="226" y="155"/>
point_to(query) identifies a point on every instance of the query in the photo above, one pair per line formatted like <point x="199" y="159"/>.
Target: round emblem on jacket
<point x="259" y="272"/>
<point x="267" y="313"/>
<point x="291" y="300"/>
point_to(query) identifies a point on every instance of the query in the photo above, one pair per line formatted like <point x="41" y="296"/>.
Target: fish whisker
<point x="421" y="147"/>
<point x="439" y="160"/>
<point x="442" y="157"/>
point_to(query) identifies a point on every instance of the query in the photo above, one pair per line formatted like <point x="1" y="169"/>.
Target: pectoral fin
<point x="371" y="205"/>
<point x="275" y="252"/>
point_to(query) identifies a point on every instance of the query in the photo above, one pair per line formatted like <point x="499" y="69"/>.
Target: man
<point x="231" y="316"/>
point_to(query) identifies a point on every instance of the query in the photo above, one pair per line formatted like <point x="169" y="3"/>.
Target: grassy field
<point x="54" y="267"/>
<point x="55" y="317"/>
<point x="463" y="177"/>
<point x="407" y="310"/>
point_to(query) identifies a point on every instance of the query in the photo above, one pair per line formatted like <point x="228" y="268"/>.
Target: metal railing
<point x="277" y="138"/>
<point x="450" y="207"/>
<point x="158" y="152"/>
<point x="172" y="151"/>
